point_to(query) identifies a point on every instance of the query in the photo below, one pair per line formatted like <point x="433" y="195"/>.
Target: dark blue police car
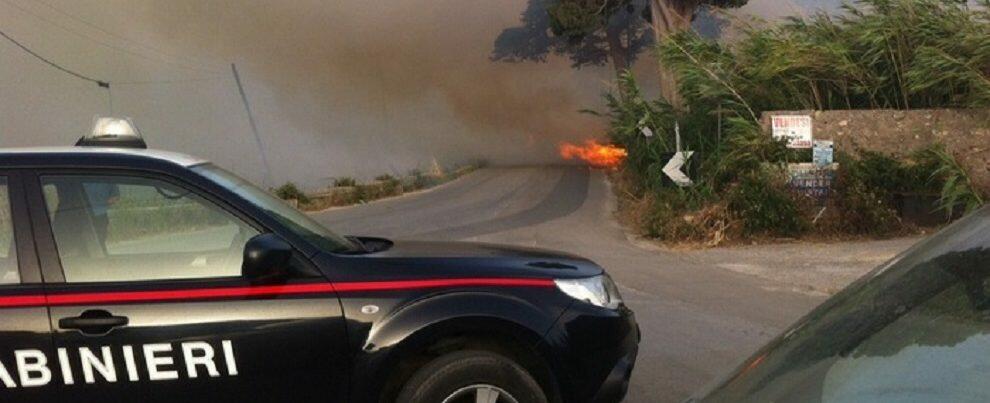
<point x="131" y="275"/>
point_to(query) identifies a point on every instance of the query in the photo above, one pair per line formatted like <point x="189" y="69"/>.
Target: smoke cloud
<point x="375" y="86"/>
<point x="338" y="88"/>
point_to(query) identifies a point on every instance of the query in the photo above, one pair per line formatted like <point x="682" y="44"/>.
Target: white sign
<point x="795" y="129"/>
<point x="823" y="154"/>
<point x="646" y="130"/>
<point x="674" y="171"/>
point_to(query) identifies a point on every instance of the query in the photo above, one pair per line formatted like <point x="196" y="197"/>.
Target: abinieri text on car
<point x="137" y="275"/>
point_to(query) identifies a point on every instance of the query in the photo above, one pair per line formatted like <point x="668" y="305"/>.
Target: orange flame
<point x="595" y="154"/>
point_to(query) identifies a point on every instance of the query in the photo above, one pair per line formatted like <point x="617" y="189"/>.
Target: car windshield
<point x="293" y="219"/>
<point x="916" y="329"/>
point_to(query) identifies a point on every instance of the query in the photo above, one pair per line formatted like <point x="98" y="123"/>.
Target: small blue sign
<point x="823" y="153"/>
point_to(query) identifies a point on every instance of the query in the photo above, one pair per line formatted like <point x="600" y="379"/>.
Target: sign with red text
<point x="796" y="129"/>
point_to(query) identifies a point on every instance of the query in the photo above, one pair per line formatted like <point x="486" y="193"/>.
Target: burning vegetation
<point x="594" y="153"/>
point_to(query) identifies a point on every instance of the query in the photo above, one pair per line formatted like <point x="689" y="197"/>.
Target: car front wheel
<point x="472" y="377"/>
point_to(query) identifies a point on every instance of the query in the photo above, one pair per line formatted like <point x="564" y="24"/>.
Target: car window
<point x="8" y="254"/>
<point x="296" y="221"/>
<point x="917" y="329"/>
<point x="119" y="228"/>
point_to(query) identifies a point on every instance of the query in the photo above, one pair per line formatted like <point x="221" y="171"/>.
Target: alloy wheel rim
<point x="481" y="393"/>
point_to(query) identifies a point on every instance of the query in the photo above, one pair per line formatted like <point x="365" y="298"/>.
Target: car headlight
<point x="599" y="290"/>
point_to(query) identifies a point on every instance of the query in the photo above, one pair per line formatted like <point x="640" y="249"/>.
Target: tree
<point x="592" y="32"/>
<point x="589" y="32"/>
<point x="669" y="17"/>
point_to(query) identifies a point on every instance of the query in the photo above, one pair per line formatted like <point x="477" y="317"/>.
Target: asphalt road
<point x="698" y="320"/>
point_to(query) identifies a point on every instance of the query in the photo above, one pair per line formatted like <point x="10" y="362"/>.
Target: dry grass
<point x="709" y="226"/>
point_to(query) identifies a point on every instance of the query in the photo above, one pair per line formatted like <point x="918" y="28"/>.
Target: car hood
<point x="455" y="259"/>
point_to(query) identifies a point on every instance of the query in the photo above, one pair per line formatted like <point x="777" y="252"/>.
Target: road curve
<point x="698" y="321"/>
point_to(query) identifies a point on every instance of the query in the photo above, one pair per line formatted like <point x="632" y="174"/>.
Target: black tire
<point x="445" y="375"/>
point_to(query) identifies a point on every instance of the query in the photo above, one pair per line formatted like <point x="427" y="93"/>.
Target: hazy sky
<point x="338" y="87"/>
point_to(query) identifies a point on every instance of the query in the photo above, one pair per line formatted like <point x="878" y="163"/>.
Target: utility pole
<point x="254" y="128"/>
<point x="106" y="85"/>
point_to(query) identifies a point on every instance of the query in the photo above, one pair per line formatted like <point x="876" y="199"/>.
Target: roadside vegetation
<point x="345" y="191"/>
<point x="6" y="226"/>
<point x="289" y="191"/>
<point x="876" y="54"/>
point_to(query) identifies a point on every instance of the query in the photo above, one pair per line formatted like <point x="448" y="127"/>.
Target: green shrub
<point x="746" y="150"/>
<point x="289" y="191"/>
<point x="901" y="54"/>
<point x="6" y="233"/>
<point x="867" y="188"/>
<point x="628" y="113"/>
<point x="888" y="176"/>
<point x="344" y="181"/>
<point x="864" y="190"/>
<point x="423" y="181"/>
<point x="362" y="194"/>
<point x="391" y="186"/>
<point x="878" y="54"/>
<point x="132" y="221"/>
<point x="863" y="209"/>
<point x="664" y="218"/>
<point x="766" y="206"/>
<point x="957" y="188"/>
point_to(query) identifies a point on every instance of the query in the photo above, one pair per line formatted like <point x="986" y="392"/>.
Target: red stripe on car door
<point x="92" y="298"/>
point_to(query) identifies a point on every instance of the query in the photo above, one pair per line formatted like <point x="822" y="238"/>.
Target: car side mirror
<point x="266" y="258"/>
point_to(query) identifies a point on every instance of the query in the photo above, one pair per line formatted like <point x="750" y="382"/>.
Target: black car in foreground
<point x="145" y="276"/>
<point x="916" y="329"/>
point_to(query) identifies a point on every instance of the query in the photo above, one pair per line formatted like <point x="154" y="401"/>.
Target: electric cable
<point x="101" y="83"/>
<point x="102" y="43"/>
<point x="115" y="35"/>
<point x="105" y="84"/>
<point x="175" y="81"/>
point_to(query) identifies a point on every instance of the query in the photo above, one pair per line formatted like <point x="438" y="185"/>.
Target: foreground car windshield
<point x="916" y="329"/>
<point x="296" y="221"/>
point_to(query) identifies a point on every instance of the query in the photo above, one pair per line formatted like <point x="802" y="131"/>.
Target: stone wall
<point x="965" y="133"/>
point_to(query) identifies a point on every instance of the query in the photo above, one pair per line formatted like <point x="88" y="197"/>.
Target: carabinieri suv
<point x="130" y="275"/>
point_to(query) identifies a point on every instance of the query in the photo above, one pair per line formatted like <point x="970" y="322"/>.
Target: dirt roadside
<point x="818" y="269"/>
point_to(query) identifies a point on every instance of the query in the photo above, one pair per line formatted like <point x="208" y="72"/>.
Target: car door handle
<point x="94" y="322"/>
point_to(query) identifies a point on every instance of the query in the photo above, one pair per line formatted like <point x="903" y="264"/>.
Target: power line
<point x="105" y="84"/>
<point x="173" y="81"/>
<point x="114" y="34"/>
<point x="101" y="83"/>
<point x="102" y="43"/>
